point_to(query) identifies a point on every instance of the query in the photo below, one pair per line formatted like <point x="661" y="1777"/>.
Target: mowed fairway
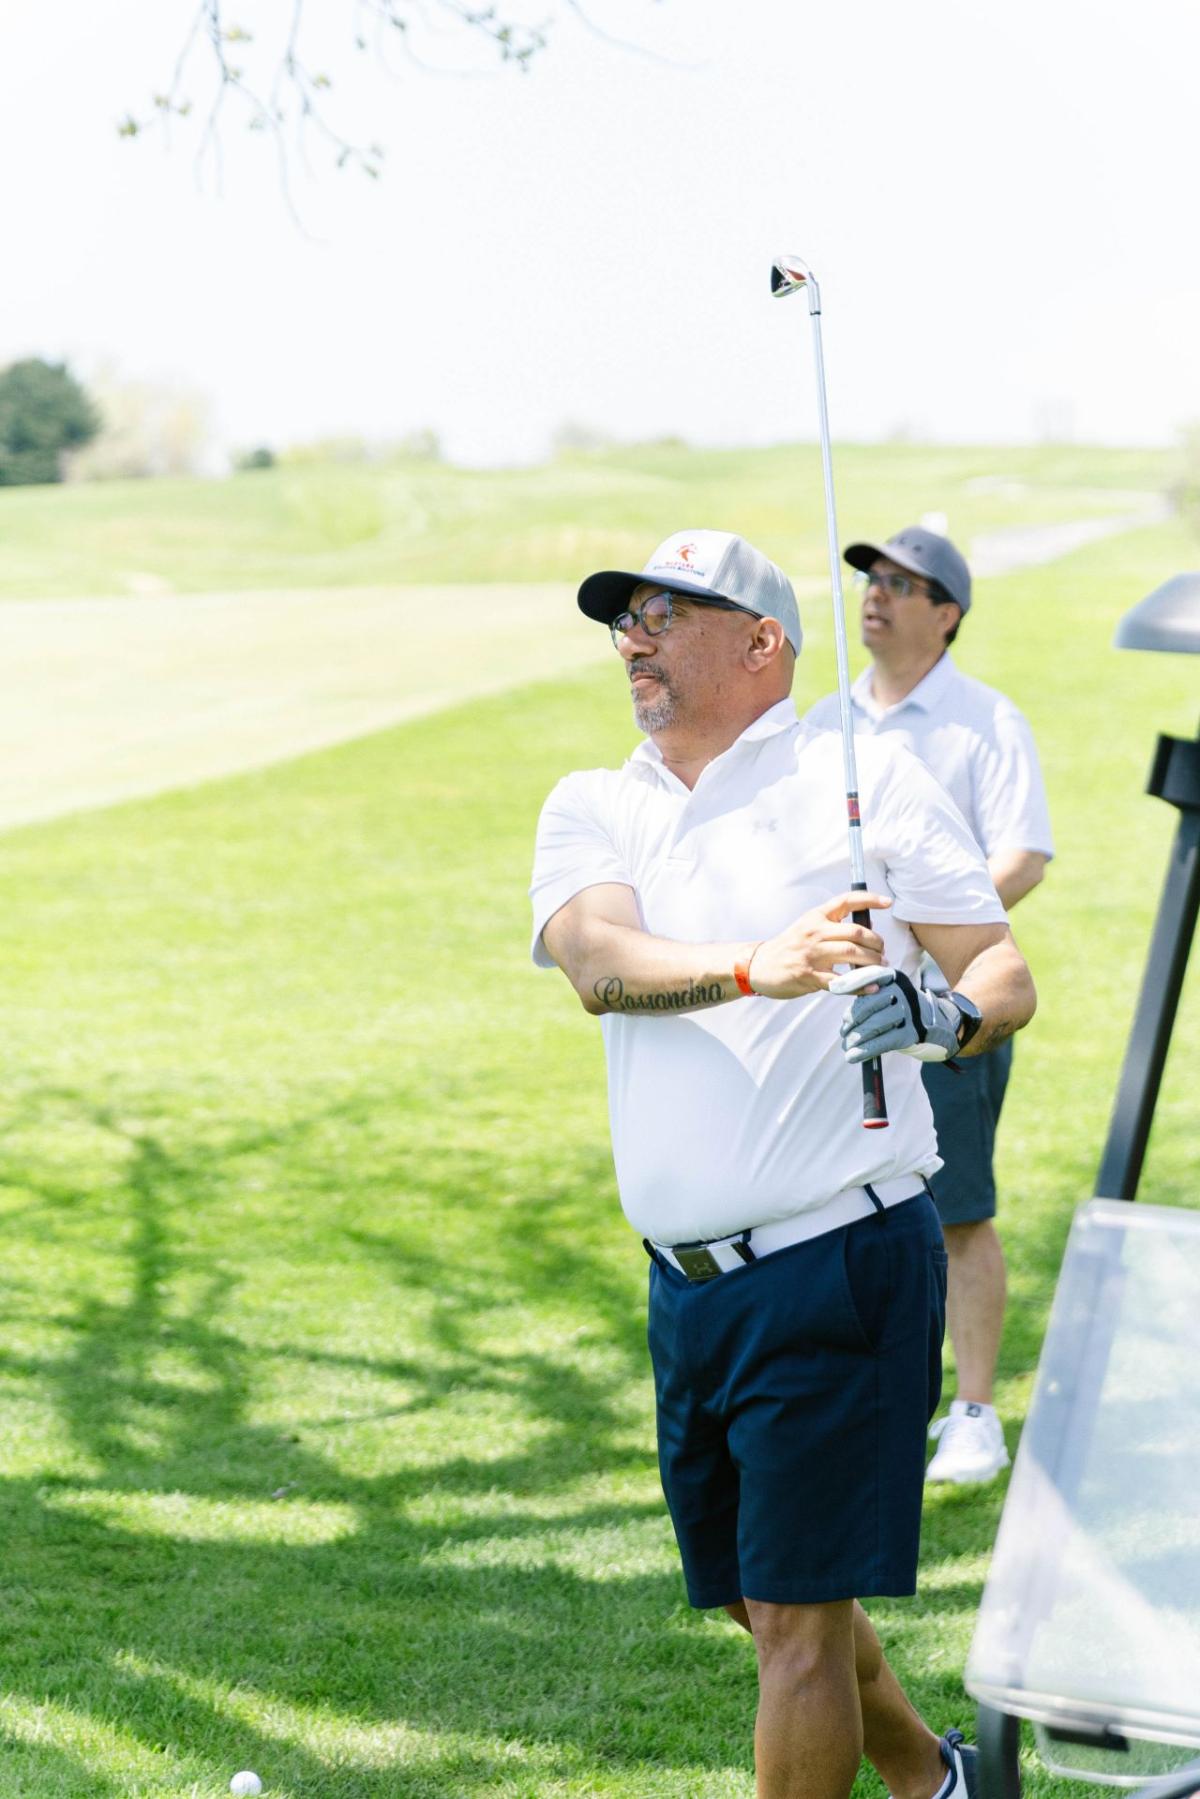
<point x="156" y="634"/>
<point x="109" y="699"/>
<point x="326" y="1424"/>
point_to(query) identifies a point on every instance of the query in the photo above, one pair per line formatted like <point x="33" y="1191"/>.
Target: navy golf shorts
<point x="966" y="1110"/>
<point x="793" y="1398"/>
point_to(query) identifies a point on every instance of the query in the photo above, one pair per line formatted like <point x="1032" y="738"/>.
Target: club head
<point x="788" y="275"/>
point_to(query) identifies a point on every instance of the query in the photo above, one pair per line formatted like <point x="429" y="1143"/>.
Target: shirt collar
<point x="925" y="696"/>
<point x="779" y="717"/>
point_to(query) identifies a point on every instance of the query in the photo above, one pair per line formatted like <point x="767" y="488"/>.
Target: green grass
<point x="345" y="526"/>
<point x="327" y="1428"/>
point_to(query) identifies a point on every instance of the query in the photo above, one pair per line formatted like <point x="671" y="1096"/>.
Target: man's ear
<point x="767" y="644"/>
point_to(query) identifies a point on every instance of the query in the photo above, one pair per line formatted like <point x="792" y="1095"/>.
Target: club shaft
<point x="858" y="872"/>
<point x="874" y="1100"/>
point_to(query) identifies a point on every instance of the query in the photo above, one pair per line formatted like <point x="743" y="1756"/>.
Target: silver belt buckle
<point x="697" y="1262"/>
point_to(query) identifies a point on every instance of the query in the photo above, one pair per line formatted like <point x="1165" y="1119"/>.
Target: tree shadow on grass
<point x="181" y="1567"/>
<point x="30" y="1765"/>
<point x="412" y="1608"/>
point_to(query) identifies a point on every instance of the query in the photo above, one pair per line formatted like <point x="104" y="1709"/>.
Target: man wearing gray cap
<point x="697" y="901"/>
<point x="916" y="590"/>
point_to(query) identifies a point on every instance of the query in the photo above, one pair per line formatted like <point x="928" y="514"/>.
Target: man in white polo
<point x="696" y="899"/>
<point x="916" y="589"/>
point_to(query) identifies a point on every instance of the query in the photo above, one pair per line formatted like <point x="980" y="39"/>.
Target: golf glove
<point x="896" y="1016"/>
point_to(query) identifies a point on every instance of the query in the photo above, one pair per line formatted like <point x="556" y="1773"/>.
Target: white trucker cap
<point x="713" y="565"/>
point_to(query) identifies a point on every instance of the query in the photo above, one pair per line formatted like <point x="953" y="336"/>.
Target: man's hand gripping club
<point x="895" y="1015"/>
<point x="803" y="957"/>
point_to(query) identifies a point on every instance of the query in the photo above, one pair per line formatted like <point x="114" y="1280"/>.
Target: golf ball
<point x="245" y="1782"/>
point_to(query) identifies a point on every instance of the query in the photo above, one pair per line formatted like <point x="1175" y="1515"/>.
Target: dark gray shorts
<point x="966" y="1110"/>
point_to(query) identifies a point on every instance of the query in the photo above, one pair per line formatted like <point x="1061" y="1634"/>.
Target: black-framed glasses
<point x="899" y="586"/>
<point x="654" y="615"/>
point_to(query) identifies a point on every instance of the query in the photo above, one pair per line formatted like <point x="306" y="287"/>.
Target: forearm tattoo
<point x="610" y="991"/>
<point x="993" y="1033"/>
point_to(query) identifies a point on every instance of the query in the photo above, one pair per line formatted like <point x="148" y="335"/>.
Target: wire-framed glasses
<point x="899" y="586"/>
<point x="654" y="615"/>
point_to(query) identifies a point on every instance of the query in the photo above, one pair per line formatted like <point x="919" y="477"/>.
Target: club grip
<point x="875" y="1117"/>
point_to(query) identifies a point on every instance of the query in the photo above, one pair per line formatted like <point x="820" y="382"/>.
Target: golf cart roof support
<point x="1168" y="619"/>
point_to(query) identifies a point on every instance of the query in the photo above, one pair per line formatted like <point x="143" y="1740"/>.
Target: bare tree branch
<point x="298" y="92"/>
<point x="288" y="99"/>
<point x="597" y="30"/>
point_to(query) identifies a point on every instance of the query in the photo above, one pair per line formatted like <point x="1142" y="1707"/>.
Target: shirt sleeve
<point x="1009" y="795"/>
<point x="936" y="869"/>
<point x="575" y="849"/>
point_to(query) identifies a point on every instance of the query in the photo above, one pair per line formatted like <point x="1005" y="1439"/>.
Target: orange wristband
<point x="741" y="973"/>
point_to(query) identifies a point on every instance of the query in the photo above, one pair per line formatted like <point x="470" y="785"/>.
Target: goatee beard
<point x="655" y="712"/>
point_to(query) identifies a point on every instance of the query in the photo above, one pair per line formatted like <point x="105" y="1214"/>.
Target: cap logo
<point x="681" y="559"/>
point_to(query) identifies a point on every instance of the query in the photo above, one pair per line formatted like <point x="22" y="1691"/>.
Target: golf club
<point x="788" y="275"/>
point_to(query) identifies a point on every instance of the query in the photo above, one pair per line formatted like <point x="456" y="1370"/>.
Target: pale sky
<point x="999" y="198"/>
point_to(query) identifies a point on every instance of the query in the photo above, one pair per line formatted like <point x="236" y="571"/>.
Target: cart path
<point x="105" y="700"/>
<point x="1025" y="546"/>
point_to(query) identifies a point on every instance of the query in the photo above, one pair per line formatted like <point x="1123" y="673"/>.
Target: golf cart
<point x="1090" y="1622"/>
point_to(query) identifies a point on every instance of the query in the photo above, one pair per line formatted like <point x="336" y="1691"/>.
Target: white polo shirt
<point x="747" y="1112"/>
<point x="976" y="742"/>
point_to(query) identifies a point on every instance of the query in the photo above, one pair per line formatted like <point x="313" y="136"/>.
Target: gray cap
<point x="921" y="552"/>
<point x="709" y="564"/>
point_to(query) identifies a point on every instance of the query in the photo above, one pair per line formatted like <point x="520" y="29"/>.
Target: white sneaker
<point x="970" y="1444"/>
